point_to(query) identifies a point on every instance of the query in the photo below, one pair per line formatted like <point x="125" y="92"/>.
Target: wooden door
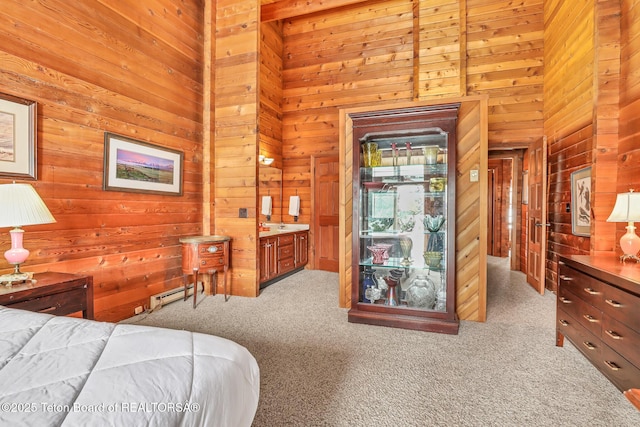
<point x="537" y="223"/>
<point x="326" y="212"/>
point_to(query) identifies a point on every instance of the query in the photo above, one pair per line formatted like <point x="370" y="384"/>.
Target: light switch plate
<point x="473" y="175"/>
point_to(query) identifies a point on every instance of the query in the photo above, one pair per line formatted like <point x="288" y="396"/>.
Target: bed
<point x="63" y="371"/>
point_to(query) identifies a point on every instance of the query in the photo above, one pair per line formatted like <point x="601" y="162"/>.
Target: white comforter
<point x="75" y="372"/>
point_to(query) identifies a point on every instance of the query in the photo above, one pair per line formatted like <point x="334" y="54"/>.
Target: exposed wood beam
<point x="283" y="9"/>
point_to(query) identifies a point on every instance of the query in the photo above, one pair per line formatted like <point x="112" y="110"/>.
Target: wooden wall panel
<point x="440" y="48"/>
<point x="568" y="116"/>
<point x="471" y="213"/>
<point x="505" y="61"/>
<point x="340" y="58"/>
<point x="270" y="115"/>
<point x="236" y="136"/>
<point x="628" y="160"/>
<point x="120" y="67"/>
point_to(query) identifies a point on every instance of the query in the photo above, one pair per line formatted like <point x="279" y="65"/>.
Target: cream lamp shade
<point x="627" y="209"/>
<point x="21" y="205"/>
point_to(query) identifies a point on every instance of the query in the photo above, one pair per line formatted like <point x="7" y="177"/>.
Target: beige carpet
<point x="319" y="370"/>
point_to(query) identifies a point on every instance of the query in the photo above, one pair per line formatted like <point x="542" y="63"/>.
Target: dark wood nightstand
<point x="53" y="293"/>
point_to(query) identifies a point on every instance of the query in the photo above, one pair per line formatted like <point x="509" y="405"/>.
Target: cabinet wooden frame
<point x="405" y="122"/>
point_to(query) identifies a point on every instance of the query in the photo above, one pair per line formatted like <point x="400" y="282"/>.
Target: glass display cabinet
<point x="404" y="219"/>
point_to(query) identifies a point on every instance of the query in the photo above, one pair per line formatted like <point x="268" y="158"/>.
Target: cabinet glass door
<point x="403" y="201"/>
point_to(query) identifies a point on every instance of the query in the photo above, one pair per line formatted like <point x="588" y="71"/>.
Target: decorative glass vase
<point x="421" y="293"/>
<point x="392" y="281"/>
<point x="368" y="281"/>
<point x="378" y="253"/>
<point x="405" y="246"/>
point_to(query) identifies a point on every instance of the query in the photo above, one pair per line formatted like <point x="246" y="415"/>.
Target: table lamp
<point x="627" y="209"/>
<point x="21" y="205"/>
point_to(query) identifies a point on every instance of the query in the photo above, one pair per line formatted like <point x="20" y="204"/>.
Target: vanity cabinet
<point x="597" y="310"/>
<point x="268" y="258"/>
<point x="301" y="257"/>
<point x="282" y="254"/>
<point x="404" y="219"/>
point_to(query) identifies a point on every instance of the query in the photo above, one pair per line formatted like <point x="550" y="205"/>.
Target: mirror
<point x="270" y="185"/>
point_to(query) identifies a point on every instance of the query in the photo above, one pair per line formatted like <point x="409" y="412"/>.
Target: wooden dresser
<point x="598" y="310"/>
<point x="53" y="293"/>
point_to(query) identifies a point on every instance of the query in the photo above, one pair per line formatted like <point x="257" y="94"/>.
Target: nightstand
<point x="205" y="255"/>
<point x="53" y="293"/>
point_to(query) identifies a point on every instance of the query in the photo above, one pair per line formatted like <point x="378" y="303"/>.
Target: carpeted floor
<point x="319" y="370"/>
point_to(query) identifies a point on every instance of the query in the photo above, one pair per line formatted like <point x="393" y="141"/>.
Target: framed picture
<point x="581" y="202"/>
<point x="17" y="137"/>
<point x="139" y="167"/>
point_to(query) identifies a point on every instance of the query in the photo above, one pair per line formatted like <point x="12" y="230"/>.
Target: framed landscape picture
<point x="136" y="166"/>
<point x="581" y="202"/>
<point x="17" y="137"/>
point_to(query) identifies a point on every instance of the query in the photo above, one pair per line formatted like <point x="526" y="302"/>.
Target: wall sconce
<point x="21" y="205"/>
<point x="265" y="160"/>
<point x="627" y="209"/>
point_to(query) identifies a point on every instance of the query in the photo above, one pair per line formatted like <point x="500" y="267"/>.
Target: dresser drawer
<point x="619" y="370"/>
<point x="625" y="340"/>
<point x="211" y="262"/>
<point x="622" y="306"/>
<point x="584" y="286"/>
<point x="60" y="304"/>
<point x="211" y="250"/>
<point x="587" y="315"/>
<point x="586" y="342"/>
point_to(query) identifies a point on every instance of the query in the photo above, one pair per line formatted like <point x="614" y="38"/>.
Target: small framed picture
<point x="17" y="137"/>
<point x="581" y="202"/>
<point x="140" y="167"/>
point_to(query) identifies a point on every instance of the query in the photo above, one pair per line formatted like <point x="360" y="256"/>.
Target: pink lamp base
<point x="630" y="244"/>
<point x="17" y="254"/>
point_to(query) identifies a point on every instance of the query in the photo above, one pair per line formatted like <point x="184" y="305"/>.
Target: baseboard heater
<point x="169" y="296"/>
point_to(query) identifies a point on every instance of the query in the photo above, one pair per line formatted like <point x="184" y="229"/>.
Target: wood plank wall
<point x="341" y="58"/>
<point x="582" y="93"/>
<point x="126" y="67"/>
<point x="568" y="116"/>
<point x="505" y="61"/>
<point x="236" y="137"/>
<point x="270" y="113"/>
<point x="629" y="147"/>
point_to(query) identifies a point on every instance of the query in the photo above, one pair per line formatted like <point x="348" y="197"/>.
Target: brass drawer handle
<point x="613" y="334"/>
<point x="590" y="318"/>
<point x="613" y="303"/>
<point x="589" y="345"/>
<point x="565" y="301"/>
<point x="591" y="291"/>
<point x="612" y="365"/>
<point x="563" y="322"/>
<point x="566" y="278"/>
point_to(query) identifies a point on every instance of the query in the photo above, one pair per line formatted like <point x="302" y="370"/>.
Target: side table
<point x="208" y="255"/>
<point x="53" y="293"/>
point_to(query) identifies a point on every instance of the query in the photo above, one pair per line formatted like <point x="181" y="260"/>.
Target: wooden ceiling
<point x="273" y="10"/>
